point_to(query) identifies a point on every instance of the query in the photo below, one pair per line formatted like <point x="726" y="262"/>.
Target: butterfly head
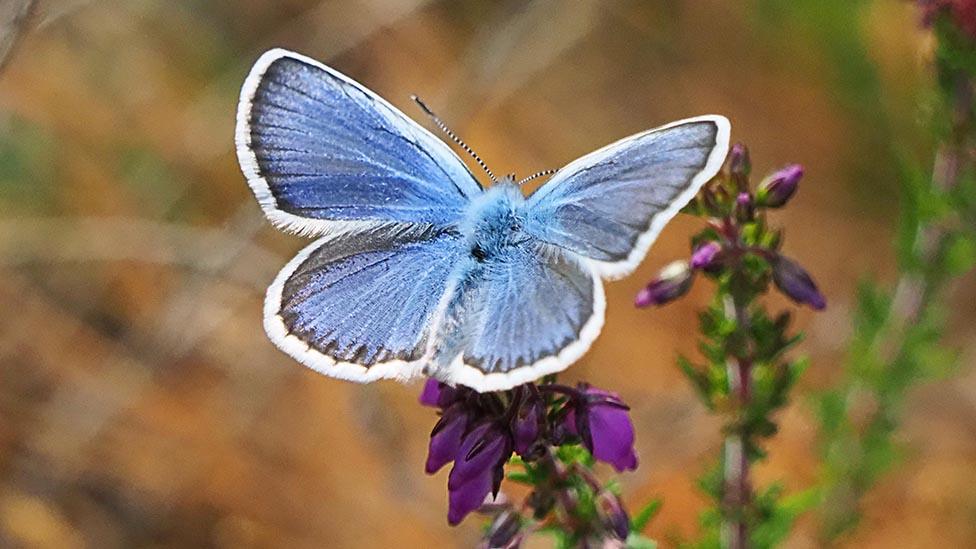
<point x="493" y="222"/>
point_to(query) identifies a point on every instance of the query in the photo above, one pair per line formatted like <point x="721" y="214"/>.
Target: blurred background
<point x="141" y="404"/>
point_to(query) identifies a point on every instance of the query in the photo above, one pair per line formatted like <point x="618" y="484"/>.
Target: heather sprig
<point x="744" y="375"/>
<point x="548" y="437"/>
<point x="897" y="339"/>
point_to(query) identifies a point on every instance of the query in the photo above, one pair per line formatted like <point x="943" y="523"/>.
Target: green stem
<point x="915" y="290"/>
<point x="737" y="495"/>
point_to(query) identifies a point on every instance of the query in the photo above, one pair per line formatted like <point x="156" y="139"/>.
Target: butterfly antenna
<point x="443" y="127"/>
<point x="535" y="175"/>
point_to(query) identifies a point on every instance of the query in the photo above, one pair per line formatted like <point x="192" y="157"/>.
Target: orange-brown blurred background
<point x="140" y="402"/>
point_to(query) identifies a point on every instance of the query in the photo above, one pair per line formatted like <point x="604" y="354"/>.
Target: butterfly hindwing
<point x="323" y="154"/>
<point x="610" y="205"/>
<point x="360" y="308"/>
<point x="525" y="313"/>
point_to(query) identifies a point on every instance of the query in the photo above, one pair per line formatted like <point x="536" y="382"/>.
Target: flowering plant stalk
<point x="547" y="437"/>
<point x="745" y="376"/>
<point x="897" y="338"/>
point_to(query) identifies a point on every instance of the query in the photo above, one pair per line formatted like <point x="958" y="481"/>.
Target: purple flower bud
<point x="481" y="450"/>
<point x="612" y="514"/>
<point x="744" y="207"/>
<point x="604" y="425"/>
<point x="438" y="394"/>
<point x="739" y="163"/>
<point x="612" y="434"/>
<point x="796" y="284"/>
<point x="672" y="282"/>
<point x="776" y="189"/>
<point x="704" y="255"/>
<point x="478" y="468"/>
<point x="467" y="497"/>
<point x="504" y="531"/>
<point x="527" y="425"/>
<point x="564" y="431"/>
<point x="431" y="392"/>
<point x="445" y="439"/>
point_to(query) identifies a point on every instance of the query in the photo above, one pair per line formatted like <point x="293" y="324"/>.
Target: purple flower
<point x="612" y="514"/>
<point x="431" y="392"/>
<point x="478" y="469"/>
<point x="527" y="425"/>
<point x="672" y="282"/>
<point x="612" y="436"/>
<point x="466" y="498"/>
<point x="704" y="255"/>
<point x="776" y="189"/>
<point x="437" y="394"/>
<point x="472" y="436"/>
<point x="796" y="284"/>
<point x="479" y="432"/>
<point x="445" y="439"/>
<point x="602" y="421"/>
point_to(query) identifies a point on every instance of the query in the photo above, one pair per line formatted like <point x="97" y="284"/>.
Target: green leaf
<point x="779" y="514"/>
<point x="638" y="541"/>
<point x="644" y="516"/>
<point x="574" y="453"/>
<point x="521" y="478"/>
<point x="698" y="379"/>
<point x="960" y="254"/>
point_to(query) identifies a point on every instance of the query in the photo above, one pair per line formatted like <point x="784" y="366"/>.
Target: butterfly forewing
<point x="610" y="205"/>
<point x="324" y="154"/>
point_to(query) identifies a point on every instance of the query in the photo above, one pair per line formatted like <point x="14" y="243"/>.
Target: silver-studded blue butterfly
<point x="417" y="268"/>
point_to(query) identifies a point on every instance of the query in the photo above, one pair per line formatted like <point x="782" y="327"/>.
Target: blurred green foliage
<point x="833" y="33"/>
<point x="897" y="340"/>
<point x="27" y="165"/>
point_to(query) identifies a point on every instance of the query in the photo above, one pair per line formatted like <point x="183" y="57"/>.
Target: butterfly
<point x="417" y="268"/>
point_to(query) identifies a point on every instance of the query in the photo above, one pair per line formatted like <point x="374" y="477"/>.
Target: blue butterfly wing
<point x="531" y="311"/>
<point x="360" y="308"/>
<point x="610" y="205"/>
<point x="324" y="154"/>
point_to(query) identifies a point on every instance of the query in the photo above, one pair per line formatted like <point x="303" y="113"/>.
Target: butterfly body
<point x="493" y="222"/>
<point x="418" y="269"/>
